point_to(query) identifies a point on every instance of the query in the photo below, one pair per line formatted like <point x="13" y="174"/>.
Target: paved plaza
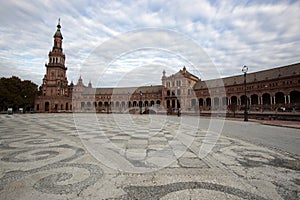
<point x="99" y="156"/>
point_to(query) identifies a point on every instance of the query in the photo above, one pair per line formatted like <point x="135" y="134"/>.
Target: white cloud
<point x="260" y="34"/>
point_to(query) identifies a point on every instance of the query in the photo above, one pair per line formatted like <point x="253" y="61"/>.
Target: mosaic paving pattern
<point x="51" y="157"/>
<point x="140" y="144"/>
<point x="26" y="141"/>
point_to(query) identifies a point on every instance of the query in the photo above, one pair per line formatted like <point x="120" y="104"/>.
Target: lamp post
<point x="244" y="70"/>
<point x="25" y="104"/>
<point x="141" y="103"/>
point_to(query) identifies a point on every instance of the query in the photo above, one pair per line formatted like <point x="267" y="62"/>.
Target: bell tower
<point x="56" y="94"/>
<point x="55" y="81"/>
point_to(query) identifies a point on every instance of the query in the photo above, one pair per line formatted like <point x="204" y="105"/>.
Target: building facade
<point x="276" y="89"/>
<point x="268" y="90"/>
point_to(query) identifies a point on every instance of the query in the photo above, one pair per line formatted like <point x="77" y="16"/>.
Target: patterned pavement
<point x="88" y="156"/>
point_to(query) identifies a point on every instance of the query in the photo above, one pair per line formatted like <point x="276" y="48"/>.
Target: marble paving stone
<point x="143" y="157"/>
<point x="192" y="162"/>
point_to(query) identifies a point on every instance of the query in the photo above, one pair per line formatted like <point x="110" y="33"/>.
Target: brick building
<point x="268" y="90"/>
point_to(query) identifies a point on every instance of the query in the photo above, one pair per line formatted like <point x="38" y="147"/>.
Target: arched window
<point x="168" y="93"/>
<point x="151" y="103"/>
<point x="201" y="102"/>
<point x="279" y="98"/>
<point x="266" y="98"/>
<point x="243" y="100"/>
<point x="216" y="101"/>
<point x="208" y="101"/>
<point x="47" y="106"/>
<point x="168" y="103"/>
<point x="173" y="102"/>
<point x="295" y="96"/>
<point x="224" y="101"/>
<point x="146" y="103"/>
<point x="254" y="99"/>
<point x="233" y="100"/>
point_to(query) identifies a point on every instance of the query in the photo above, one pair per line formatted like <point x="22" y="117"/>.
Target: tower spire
<point x="56" y="56"/>
<point x="58" y="33"/>
<point x="58" y="24"/>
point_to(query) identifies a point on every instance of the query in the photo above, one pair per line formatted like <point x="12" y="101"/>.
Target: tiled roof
<point x="125" y="90"/>
<point x="279" y="72"/>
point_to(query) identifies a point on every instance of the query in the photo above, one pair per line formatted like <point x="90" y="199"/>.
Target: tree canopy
<point x="15" y="93"/>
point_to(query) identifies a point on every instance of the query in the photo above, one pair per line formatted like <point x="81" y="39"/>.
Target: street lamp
<point x="25" y="104"/>
<point x="244" y="70"/>
<point x="141" y="103"/>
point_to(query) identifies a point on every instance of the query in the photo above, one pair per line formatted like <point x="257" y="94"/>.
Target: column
<point x="261" y="100"/>
<point x="274" y="100"/>
<point x="284" y="99"/>
<point x="289" y="99"/>
<point x="271" y="102"/>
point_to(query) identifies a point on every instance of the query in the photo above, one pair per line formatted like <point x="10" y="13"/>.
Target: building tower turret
<point x="55" y="82"/>
<point x="56" y="94"/>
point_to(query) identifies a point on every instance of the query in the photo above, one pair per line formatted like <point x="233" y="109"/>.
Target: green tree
<point x="16" y="93"/>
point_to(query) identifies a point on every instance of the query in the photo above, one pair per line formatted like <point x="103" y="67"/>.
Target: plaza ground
<point x="99" y="156"/>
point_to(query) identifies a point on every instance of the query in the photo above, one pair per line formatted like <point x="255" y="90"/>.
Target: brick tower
<point x="56" y="93"/>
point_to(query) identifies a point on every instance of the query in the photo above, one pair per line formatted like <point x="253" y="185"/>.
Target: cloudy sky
<point x="127" y="43"/>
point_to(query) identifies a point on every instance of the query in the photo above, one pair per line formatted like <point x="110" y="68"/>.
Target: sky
<point x="130" y="43"/>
